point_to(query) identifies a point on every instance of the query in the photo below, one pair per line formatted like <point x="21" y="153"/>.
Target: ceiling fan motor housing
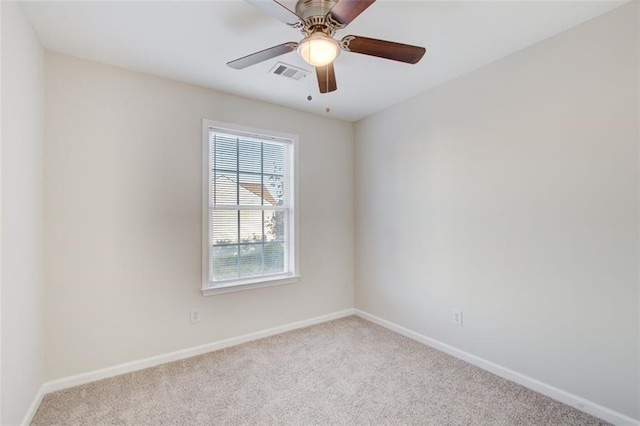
<point x="313" y="8"/>
<point x="315" y="14"/>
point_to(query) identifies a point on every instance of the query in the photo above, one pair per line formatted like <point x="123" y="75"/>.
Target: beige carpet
<point x="343" y="372"/>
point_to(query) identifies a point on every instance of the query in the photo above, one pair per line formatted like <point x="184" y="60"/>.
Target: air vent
<point x="289" y="71"/>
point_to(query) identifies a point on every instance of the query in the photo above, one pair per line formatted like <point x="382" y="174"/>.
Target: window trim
<point x="241" y="284"/>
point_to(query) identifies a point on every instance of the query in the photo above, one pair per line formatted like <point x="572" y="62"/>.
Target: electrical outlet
<point x="457" y="316"/>
<point x="194" y="315"/>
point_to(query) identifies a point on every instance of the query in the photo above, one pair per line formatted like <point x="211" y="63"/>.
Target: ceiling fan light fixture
<point x="318" y="49"/>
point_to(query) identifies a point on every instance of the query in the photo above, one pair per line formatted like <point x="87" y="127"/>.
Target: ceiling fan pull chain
<point x="309" y="98"/>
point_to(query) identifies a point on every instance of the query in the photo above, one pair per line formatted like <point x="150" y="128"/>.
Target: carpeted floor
<point x="343" y="372"/>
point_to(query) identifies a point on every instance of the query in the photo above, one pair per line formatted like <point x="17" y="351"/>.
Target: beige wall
<point x="22" y="214"/>
<point x="512" y="193"/>
<point x="123" y="217"/>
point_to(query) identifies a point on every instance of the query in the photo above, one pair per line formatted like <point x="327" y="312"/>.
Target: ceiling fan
<point x="318" y="20"/>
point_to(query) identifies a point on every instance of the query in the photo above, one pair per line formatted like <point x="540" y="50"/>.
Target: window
<point x="249" y="209"/>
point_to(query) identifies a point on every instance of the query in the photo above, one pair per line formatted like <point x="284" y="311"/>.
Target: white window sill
<point x="249" y="285"/>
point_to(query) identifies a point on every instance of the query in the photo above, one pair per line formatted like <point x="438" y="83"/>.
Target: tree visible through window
<point x="250" y="195"/>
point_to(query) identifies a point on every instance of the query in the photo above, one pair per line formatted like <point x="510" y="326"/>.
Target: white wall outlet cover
<point x="456" y="316"/>
<point x="194" y="315"/>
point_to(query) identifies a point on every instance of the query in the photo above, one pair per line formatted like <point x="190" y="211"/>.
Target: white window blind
<point x="250" y="200"/>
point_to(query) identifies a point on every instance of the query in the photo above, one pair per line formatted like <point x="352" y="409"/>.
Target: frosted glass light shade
<point x="318" y="49"/>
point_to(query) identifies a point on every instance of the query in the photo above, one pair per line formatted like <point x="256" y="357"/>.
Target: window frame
<point x="211" y="287"/>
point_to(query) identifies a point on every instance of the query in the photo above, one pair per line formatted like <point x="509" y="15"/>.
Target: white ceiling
<point x="192" y="41"/>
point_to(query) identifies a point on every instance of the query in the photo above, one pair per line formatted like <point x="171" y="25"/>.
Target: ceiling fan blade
<point x="383" y="49"/>
<point x="345" y="11"/>
<point x="326" y="78"/>
<point x="263" y="55"/>
<point x="278" y="11"/>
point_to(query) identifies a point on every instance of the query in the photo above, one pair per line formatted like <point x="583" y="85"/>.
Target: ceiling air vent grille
<point x="289" y="71"/>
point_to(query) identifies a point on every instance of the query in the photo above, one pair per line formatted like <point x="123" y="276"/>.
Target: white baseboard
<point x="533" y="384"/>
<point x="26" y="421"/>
<point x="129" y="367"/>
<point x="575" y="401"/>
